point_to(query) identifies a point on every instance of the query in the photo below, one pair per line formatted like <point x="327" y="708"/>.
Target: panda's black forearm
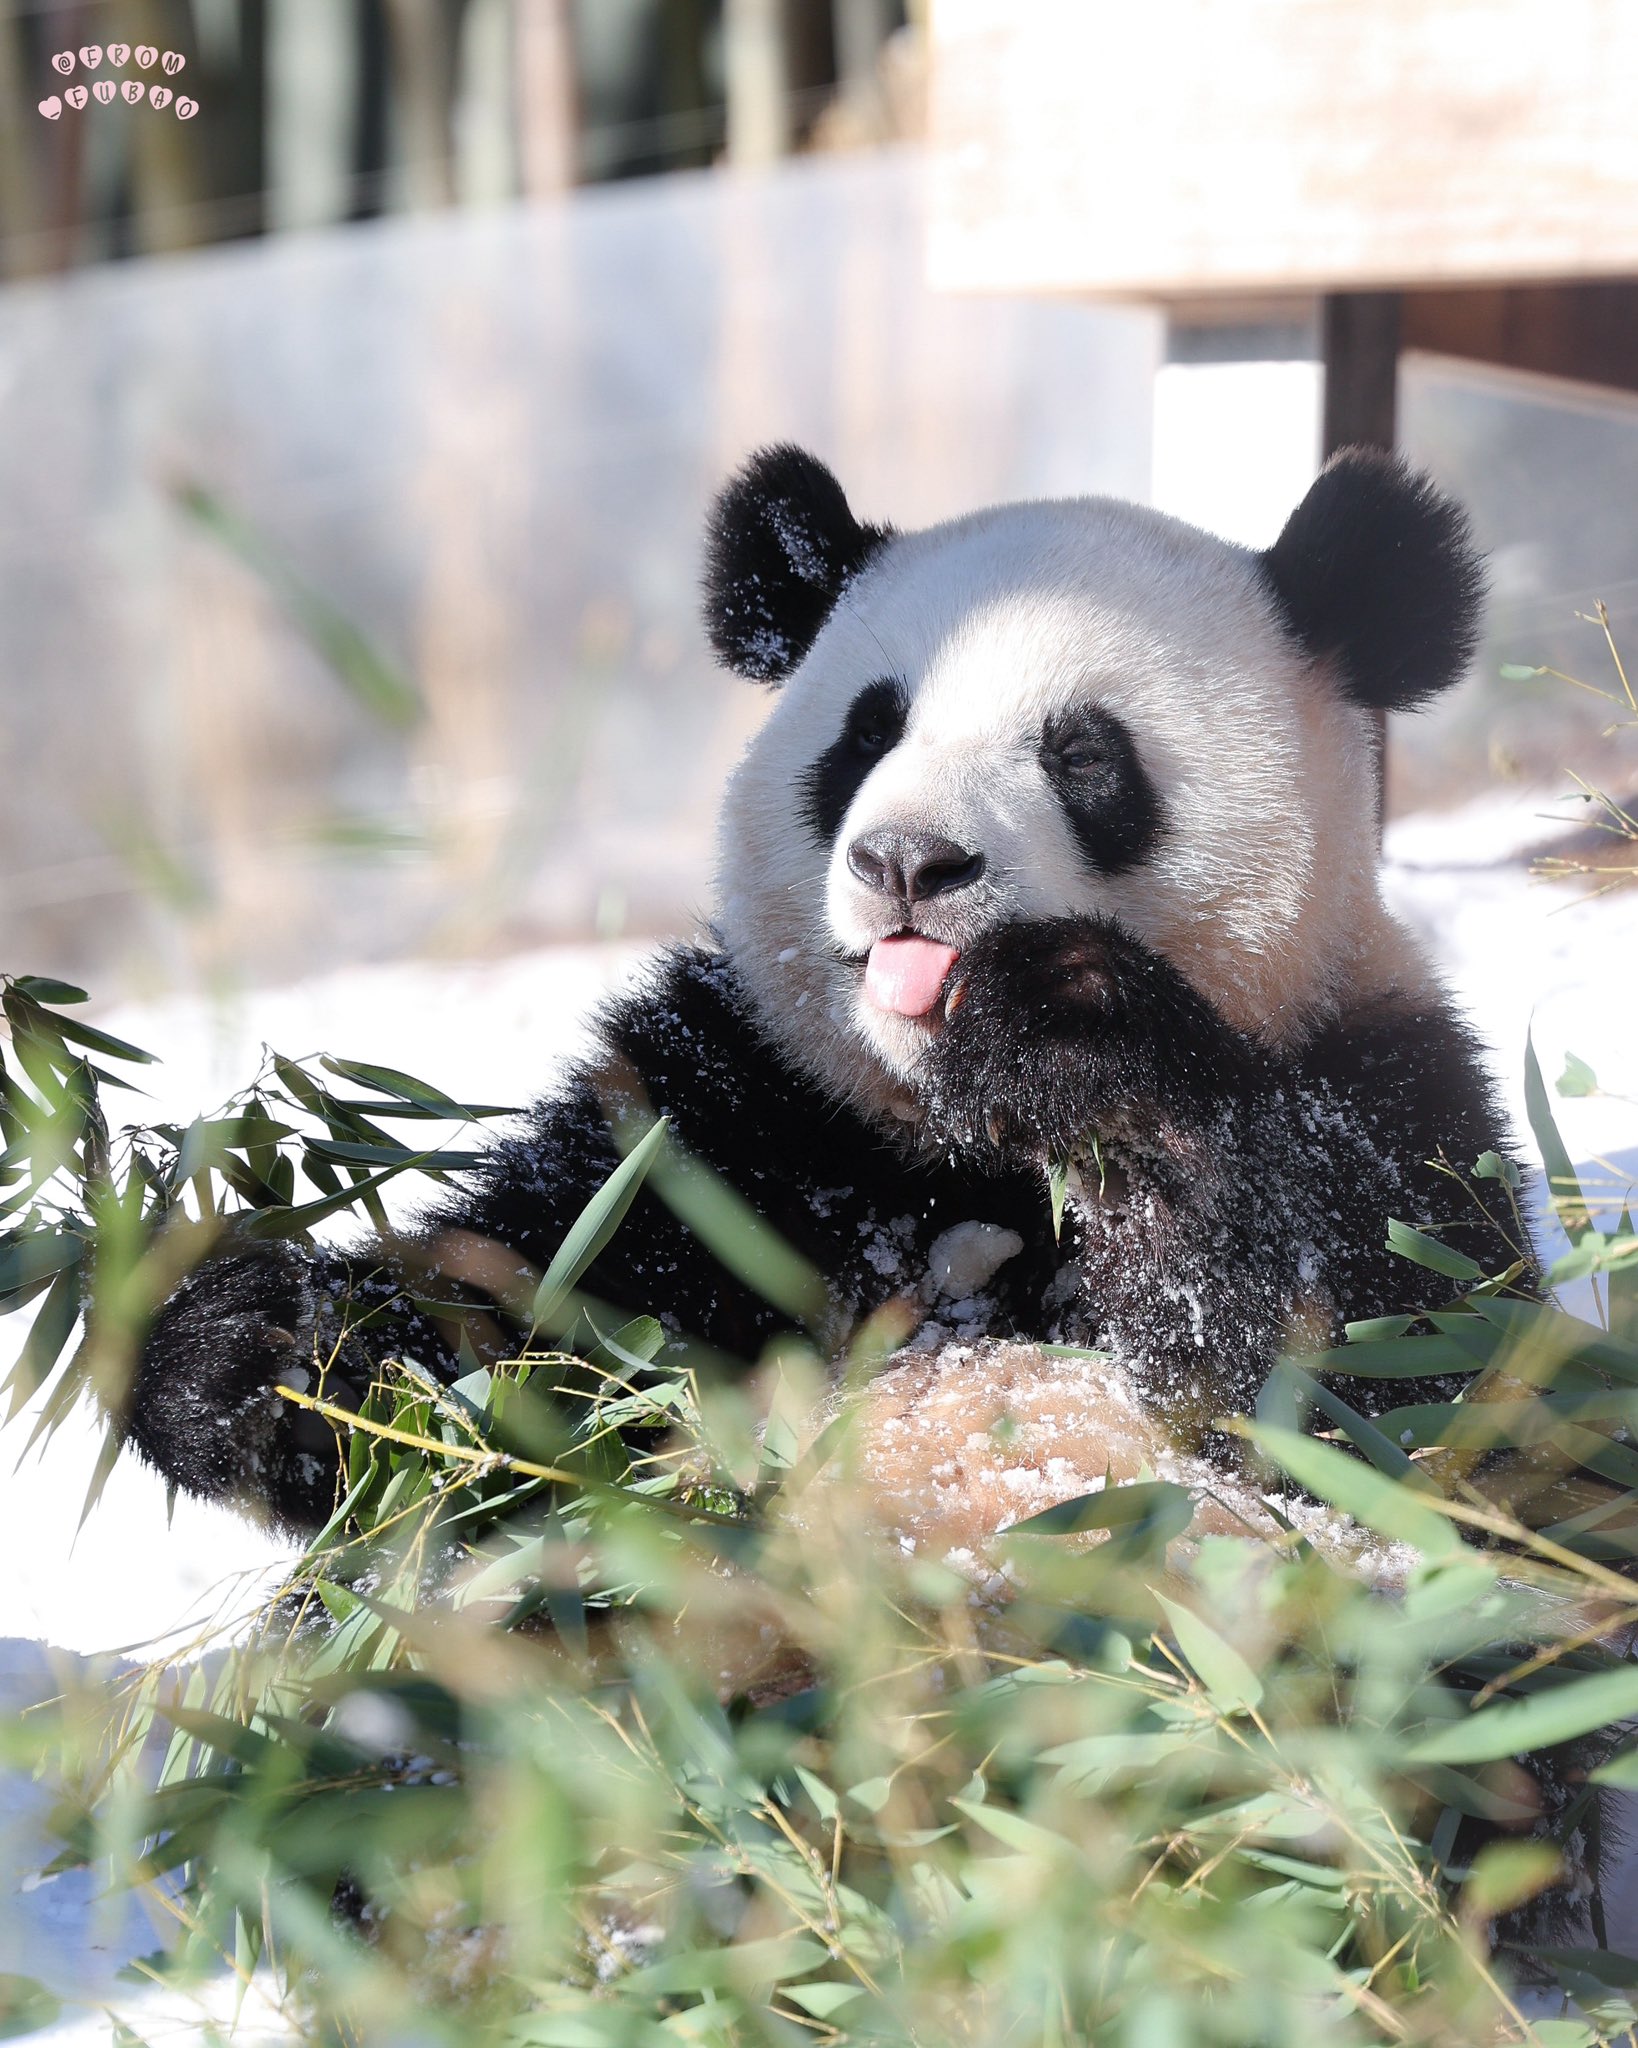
<point x="1228" y="1202"/>
<point x="205" y="1409"/>
<point x="1245" y="1215"/>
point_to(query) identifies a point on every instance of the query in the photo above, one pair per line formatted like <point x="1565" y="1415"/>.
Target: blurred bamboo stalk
<point x="167" y="177"/>
<point x="546" y="101"/>
<point x="425" y="37"/>
<point x="312" y="79"/>
<point x="17" y="219"/>
<point x="322" y="110"/>
<point x="486" y="115"/>
<point x="65" y="159"/>
<point x="756" y="46"/>
<point x="861" y="29"/>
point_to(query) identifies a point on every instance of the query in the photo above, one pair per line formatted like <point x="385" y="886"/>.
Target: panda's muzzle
<point x="910" y="867"/>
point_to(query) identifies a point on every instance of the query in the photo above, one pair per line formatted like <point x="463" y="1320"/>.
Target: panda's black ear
<point x="1376" y="571"/>
<point x="780" y="548"/>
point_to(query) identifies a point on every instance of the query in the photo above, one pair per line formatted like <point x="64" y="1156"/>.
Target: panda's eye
<point x="1085" y="741"/>
<point x="875" y="721"/>
<point x="871" y="728"/>
<point x="1092" y="766"/>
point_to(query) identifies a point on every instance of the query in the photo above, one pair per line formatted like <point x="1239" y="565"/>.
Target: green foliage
<point x="616" y="1721"/>
<point x="142" y="1202"/>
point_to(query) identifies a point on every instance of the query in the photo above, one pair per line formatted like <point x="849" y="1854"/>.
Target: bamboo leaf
<point x="344" y="1153"/>
<point x="1507" y="1727"/>
<point x="1402" y="1358"/>
<point x="594" y="1227"/>
<point x="40" y="988"/>
<point x="1568" y="1200"/>
<point x="107" y="1458"/>
<point x="26" y="2006"/>
<point x="1015" y="1831"/>
<point x="103" y="1042"/>
<point x="1577" y="1078"/>
<point x="1161" y="1507"/>
<point x="362" y="671"/>
<point x="293" y="1222"/>
<point x="738" y="1238"/>
<point x="1230" y="1682"/>
<point x="53" y="1325"/>
<point x="1371" y="1497"/>
<point x="1382" y="1451"/>
<point x="432" y="1101"/>
<point x="748" y="1965"/>
<point x="1622" y="1285"/>
<point x="35" y="1254"/>
<point x="1411" y="1243"/>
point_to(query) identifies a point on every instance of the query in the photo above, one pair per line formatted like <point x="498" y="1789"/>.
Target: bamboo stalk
<point x="548" y="116"/>
<point x="756" y="38"/>
<point x="423" y="41"/>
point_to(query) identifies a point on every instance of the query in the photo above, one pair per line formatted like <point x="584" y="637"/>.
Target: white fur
<point x="1262" y="889"/>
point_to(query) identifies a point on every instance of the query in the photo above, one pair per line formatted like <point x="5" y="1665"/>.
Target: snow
<point x="967" y="1257"/>
<point x="1526" y="957"/>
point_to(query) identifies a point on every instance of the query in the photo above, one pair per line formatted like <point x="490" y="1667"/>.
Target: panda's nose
<point x="912" y="865"/>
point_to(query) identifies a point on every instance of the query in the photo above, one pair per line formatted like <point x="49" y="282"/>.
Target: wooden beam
<point x="1192" y="146"/>
<point x="1585" y="330"/>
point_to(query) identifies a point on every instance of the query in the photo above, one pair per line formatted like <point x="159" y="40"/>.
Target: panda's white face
<point x="1045" y="710"/>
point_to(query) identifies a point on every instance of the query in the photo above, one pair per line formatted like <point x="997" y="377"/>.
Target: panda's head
<point x="1067" y="708"/>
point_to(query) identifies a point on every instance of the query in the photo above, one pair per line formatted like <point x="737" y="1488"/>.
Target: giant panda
<point x="1050" y="997"/>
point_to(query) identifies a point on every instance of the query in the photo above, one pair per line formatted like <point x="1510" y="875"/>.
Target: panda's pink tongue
<point x="908" y="974"/>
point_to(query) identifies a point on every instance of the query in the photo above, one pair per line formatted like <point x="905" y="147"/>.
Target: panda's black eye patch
<point x="1094" y="771"/>
<point x="872" y="729"/>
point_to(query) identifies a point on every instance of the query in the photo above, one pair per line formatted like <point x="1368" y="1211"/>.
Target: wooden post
<point x="1359" y="347"/>
<point x="1359" y="342"/>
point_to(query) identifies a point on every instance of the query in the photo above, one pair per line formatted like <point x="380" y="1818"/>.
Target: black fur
<point x="1095" y="773"/>
<point x="874" y="727"/>
<point x="1237" y="1184"/>
<point x="1236" y="1202"/>
<point x="203" y="1410"/>
<point x="1376" y="571"/>
<point x="781" y="547"/>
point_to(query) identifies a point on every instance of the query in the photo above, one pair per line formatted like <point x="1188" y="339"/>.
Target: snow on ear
<point x="1376" y="571"/>
<point x="780" y="548"/>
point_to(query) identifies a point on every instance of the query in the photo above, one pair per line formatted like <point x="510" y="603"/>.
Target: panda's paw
<point x="1031" y="1049"/>
<point x="1063" y="1029"/>
<point x="204" y="1406"/>
<point x="1058" y="975"/>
